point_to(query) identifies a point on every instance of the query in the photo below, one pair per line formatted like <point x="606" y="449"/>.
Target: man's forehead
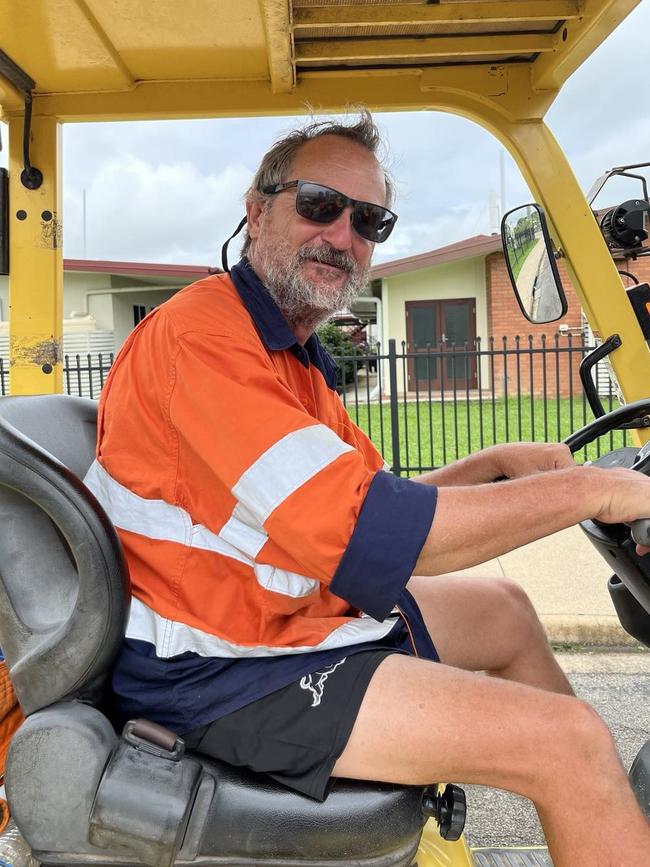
<point x="329" y="156"/>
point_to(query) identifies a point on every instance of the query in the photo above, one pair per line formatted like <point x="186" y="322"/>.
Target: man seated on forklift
<point x="293" y="609"/>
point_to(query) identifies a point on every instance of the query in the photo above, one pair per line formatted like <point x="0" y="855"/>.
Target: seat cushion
<point x="251" y="816"/>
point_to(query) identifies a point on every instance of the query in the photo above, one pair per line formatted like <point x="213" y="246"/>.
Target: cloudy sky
<point x="172" y="191"/>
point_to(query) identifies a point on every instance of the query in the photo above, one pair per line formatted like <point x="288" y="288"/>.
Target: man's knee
<point x="567" y="740"/>
<point x="579" y="731"/>
<point x="590" y="728"/>
<point x="513" y="603"/>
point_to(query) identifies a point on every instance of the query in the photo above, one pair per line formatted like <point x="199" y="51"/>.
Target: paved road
<point x="618" y="686"/>
<point x="548" y="306"/>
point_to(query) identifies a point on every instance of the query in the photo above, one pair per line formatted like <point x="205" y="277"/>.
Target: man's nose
<point x="339" y="232"/>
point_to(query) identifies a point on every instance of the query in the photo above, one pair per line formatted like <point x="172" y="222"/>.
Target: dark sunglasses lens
<point x="324" y="205"/>
<point x="372" y="222"/>
<point x="317" y="203"/>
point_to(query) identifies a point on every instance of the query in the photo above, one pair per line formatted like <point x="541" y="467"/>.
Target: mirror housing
<point x="532" y="269"/>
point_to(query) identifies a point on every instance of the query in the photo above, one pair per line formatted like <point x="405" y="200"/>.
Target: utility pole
<point x="502" y="175"/>
<point x="83" y="217"/>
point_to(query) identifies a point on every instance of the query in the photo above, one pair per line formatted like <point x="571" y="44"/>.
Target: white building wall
<point x="97" y="319"/>
<point x="464" y="278"/>
<point x="75" y="287"/>
<point x="461" y="279"/>
<point x="123" y="303"/>
<point x="76" y="302"/>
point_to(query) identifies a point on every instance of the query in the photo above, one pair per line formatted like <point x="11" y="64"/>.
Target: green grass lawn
<point x="437" y="434"/>
<point x="519" y="260"/>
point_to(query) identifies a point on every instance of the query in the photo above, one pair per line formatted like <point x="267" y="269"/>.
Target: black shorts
<point x="297" y="733"/>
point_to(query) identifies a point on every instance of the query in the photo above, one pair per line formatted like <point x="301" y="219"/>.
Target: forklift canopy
<point x="116" y="59"/>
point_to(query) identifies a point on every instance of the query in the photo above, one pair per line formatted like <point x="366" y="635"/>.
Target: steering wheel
<point x="603" y="425"/>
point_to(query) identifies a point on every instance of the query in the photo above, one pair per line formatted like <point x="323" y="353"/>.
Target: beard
<point x="303" y="301"/>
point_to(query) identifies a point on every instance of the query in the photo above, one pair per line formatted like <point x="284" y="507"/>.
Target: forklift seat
<point x="79" y="792"/>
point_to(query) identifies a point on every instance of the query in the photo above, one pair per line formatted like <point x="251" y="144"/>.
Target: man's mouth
<point x="329" y="266"/>
<point x="338" y="260"/>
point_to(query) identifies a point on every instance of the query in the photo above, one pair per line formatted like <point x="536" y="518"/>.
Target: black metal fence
<point x="426" y="408"/>
<point x="83" y="375"/>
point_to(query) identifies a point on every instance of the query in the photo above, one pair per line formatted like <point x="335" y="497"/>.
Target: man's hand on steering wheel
<point x="621" y="496"/>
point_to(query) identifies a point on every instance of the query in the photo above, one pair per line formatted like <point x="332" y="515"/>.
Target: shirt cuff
<point x="392" y="527"/>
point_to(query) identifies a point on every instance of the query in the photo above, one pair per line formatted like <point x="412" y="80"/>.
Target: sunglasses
<point x="324" y="205"/>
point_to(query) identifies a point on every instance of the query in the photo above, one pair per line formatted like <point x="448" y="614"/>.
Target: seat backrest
<point x="64" y="585"/>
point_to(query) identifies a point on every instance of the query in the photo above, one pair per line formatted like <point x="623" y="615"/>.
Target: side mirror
<point x="531" y="264"/>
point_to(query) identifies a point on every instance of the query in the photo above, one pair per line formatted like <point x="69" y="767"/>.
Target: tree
<point x="339" y="343"/>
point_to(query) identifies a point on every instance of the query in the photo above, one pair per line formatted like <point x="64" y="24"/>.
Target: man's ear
<point x="254" y="211"/>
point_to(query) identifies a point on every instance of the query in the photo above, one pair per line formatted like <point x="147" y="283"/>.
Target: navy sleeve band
<point x="382" y="552"/>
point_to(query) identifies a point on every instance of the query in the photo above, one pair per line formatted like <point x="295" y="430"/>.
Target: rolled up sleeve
<point x="393" y="524"/>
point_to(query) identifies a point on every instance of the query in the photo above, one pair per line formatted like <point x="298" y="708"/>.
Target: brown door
<point x="438" y="334"/>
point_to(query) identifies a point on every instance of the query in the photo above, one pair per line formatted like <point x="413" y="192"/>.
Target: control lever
<point x="640" y="531"/>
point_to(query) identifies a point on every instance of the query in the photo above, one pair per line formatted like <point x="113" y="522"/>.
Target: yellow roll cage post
<point x="500" y="64"/>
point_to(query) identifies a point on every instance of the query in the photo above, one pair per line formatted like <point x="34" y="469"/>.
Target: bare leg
<point x="483" y="624"/>
<point x="420" y="722"/>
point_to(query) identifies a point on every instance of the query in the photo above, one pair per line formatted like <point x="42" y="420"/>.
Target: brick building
<point x="461" y="295"/>
<point x="532" y="371"/>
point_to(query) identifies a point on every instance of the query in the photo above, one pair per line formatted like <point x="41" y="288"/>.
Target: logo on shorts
<point x="315" y="682"/>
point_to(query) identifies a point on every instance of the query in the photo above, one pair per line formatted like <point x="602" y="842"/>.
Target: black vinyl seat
<point x="80" y="793"/>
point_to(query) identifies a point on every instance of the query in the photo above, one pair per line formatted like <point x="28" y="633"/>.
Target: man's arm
<point x="475" y="523"/>
<point x="509" y="460"/>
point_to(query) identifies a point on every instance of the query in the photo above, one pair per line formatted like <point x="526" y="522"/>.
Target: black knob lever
<point x="448" y="808"/>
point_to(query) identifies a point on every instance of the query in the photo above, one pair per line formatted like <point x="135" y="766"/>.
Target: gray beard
<point x="303" y="302"/>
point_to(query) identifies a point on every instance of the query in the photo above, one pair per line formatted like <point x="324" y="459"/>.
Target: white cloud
<point x="169" y="212"/>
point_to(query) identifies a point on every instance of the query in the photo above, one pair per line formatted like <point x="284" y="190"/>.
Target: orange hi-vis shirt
<point x="11" y="718"/>
<point x="236" y="481"/>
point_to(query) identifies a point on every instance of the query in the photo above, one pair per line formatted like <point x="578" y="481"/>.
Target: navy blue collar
<point x="273" y="328"/>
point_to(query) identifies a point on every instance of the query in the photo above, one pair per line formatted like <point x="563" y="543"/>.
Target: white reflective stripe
<point x="287" y="465"/>
<point x="386" y="467"/>
<point x="206" y="540"/>
<point x="247" y="535"/>
<point x="287" y="583"/>
<point x="155" y="519"/>
<point x="159" y="520"/>
<point x="171" y="637"/>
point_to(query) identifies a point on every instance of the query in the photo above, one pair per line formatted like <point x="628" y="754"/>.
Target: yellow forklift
<point x="80" y="793"/>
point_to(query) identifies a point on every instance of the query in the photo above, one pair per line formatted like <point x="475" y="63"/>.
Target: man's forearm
<point x="472" y="470"/>
<point x="507" y="460"/>
<point x="473" y="524"/>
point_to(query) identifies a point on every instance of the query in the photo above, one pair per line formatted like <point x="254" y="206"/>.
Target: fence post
<point x="394" y="415"/>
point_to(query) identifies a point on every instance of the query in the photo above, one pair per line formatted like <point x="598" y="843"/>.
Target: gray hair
<point x="276" y="162"/>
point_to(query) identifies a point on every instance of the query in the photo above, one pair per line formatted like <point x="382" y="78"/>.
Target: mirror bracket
<point x="30" y="177"/>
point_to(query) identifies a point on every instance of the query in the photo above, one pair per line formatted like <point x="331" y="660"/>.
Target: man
<point x="11" y="718"/>
<point x="276" y="619"/>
